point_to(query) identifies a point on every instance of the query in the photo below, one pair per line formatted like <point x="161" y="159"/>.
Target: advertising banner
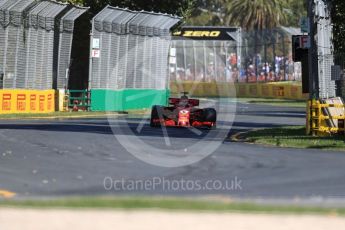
<point x="27" y="101"/>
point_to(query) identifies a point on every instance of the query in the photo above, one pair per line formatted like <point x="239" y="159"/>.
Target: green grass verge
<point x="139" y="111"/>
<point x="275" y="102"/>
<point x="294" y="137"/>
<point x="165" y="204"/>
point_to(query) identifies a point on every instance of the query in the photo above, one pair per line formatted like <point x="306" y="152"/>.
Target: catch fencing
<point x="206" y="54"/>
<point x="35" y="43"/>
<point x="229" y="54"/>
<point x="130" y="49"/>
<point x="66" y="30"/>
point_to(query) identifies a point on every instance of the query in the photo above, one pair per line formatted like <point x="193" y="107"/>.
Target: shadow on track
<point x="130" y="127"/>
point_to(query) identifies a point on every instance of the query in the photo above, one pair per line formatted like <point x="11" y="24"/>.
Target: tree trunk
<point x="274" y="56"/>
<point x="265" y="53"/>
<point x="256" y="52"/>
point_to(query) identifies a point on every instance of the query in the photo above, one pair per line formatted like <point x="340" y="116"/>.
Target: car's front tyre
<point x="156" y="114"/>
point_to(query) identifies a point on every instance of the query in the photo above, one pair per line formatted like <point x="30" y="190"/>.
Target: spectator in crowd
<point x="235" y="75"/>
<point x="228" y="74"/>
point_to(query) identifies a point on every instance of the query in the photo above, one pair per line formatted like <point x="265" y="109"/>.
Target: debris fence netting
<point x="130" y="49"/>
<point x="35" y="43"/>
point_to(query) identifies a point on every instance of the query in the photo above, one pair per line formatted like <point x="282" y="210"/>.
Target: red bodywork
<point x="183" y="113"/>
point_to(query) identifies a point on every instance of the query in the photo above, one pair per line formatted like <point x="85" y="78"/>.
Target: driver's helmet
<point x="184" y="101"/>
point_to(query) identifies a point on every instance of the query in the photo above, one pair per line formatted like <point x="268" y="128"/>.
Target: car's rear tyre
<point x="210" y="115"/>
<point x="213" y="127"/>
<point x="156" y="112"/>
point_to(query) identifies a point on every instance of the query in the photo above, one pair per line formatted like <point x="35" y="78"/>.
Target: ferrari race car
<point x="183" y="112"/>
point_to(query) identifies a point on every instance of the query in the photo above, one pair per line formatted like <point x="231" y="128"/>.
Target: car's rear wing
<point x="176" y="101"/>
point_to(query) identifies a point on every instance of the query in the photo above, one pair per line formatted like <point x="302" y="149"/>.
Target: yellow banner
<point x="27" y="101"/>
<point x="249" y="90"/>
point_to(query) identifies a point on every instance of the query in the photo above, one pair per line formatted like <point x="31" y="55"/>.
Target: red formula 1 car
<point x="183" y="112"/>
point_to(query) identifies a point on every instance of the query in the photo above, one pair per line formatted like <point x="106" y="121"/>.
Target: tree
<point x="211" y="13"/>
<point x="338" y="18"/>
<point x="176" y="7"/>
<point x="218" y="12"/>
<point x="257" y="14"/>
<point x="296" y="9"/>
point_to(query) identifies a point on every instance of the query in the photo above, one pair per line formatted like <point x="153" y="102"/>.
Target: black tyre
<point x="210" y="115"/>
<point x="155" y="112"/>
<point x="213" y="127"/>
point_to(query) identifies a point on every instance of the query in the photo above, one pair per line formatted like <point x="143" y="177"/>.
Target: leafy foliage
<point x="178" y="7"/>
<point x="295" y="10"/>
<point x="219" y="12"/>
<point x="338" y="17"/>
<point x="260" y="14"/>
